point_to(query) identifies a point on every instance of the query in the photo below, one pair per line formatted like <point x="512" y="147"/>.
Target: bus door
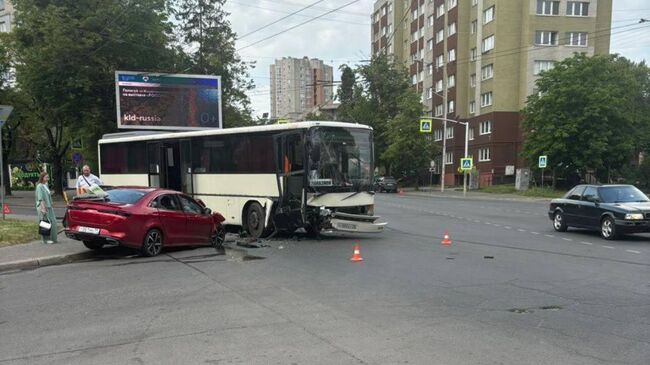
<point x="187" y="180"/>
<point x="289" y="152"/>
<point x="167" y="165"/>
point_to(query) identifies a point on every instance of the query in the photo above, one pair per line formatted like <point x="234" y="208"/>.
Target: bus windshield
<point x="340" y="157"/>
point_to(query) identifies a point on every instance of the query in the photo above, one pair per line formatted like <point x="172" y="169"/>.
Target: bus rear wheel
<point x="255" y="219"/>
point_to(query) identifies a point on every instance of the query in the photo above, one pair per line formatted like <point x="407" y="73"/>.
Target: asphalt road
<point x="509" y="290"/>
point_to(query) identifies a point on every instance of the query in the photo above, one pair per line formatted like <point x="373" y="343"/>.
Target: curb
<point x="468" y="197"/>
<point x="45" y="261"/>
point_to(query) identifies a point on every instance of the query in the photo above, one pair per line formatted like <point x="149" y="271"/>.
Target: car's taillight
<point x="115" y="212"/>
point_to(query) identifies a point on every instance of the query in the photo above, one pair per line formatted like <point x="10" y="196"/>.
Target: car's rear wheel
<point x="558" y="222"/>
<point x="153" y="242"/>
<point x="93" y="245"/>
<point x="608" y="228"/>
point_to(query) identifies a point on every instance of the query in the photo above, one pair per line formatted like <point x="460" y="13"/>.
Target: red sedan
<point x="145" y="218"/>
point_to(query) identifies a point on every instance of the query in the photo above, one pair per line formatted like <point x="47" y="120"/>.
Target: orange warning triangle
<point x="5" y="209"/>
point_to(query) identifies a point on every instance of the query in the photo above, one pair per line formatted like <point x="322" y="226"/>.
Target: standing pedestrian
<point x="86" y="180"/>
<point x="44" y="207"/>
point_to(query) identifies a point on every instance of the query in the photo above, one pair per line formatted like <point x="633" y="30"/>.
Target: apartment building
<point x="6" y="16"/>
<point x="298" y="85"/>
<point x="483" y="57"/>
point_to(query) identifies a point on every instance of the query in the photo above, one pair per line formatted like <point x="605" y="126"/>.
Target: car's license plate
<point x="347" y="226"/>
<point x="90" y="230"/>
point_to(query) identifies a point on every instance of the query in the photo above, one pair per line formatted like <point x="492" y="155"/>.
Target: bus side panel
<point x="125" y="179"/>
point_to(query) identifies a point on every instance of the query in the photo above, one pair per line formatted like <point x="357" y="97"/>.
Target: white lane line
<point x="507" y="227"/>
<point x="534" y="232"/>
<point x="521" y="230"/>
<point x="497" y="225"/>
<point x="549" y="235"/>
<point x="632" y="251"/>
<point x="610" y="247"/>
<point x="586" y="243"/>
<point x="488" y="223"/>
<point x="567" y="239"/>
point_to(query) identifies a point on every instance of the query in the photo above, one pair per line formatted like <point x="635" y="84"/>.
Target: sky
<point x="343" y="36"/>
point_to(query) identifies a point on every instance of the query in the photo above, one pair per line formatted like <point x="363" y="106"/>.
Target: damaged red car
<point x="143" y="218"/>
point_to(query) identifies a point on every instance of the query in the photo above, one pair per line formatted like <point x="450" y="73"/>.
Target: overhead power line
<point x="297" y="25"/>
<point x="281" y="19"/>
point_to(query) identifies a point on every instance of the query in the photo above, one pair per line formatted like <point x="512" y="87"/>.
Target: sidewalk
<point x="471" y="194"/>
<point x="36" y="254"/>
<point x="25" y="198"/>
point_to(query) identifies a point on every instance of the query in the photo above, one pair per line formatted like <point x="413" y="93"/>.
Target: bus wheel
<point x="255" y="220"/>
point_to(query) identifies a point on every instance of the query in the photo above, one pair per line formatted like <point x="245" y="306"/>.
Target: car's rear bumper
<point x="629" y="226"/>
<point x="79" y="236"/>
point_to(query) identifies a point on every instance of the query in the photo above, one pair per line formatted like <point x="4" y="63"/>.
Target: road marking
<point x="567" y="239"/>
<point x="521" y="230"/>
<point x="488" y="223"/>
<point x="586" y="243"/>
<point x="610" y="247"/>
<point x="507" y="227"/>
<point x="534" y="232"/>
<point x="632" y="251"/>
<point x="497" y="225"/>
<point x="549" y="235"/>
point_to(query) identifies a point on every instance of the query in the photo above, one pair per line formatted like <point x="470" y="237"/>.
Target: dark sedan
<point x="386" y="183"/>
<point x="611" y="209"/>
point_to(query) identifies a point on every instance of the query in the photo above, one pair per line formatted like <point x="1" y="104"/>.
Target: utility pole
<point x="444" y="103"/>
<point x="5" y="110"/>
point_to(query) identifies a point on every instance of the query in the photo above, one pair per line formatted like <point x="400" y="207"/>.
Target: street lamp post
<point x="444" y="139"/>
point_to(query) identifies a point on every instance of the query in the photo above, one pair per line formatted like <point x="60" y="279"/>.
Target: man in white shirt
<point x="86" y="180"/>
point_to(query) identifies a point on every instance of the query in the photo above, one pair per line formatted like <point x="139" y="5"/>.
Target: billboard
<point x="167" y="102"/>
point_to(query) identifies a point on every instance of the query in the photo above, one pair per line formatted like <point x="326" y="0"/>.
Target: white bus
<point x="314" y="175"/>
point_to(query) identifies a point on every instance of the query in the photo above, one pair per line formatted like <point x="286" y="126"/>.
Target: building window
<point x="488" y="43"/>
<point x="430" y="44"/>
<point x="383" y="31"/>
<point x="576" y="39"/>
<point x="486" y="99"/>
<point x="421" y="75"/>
<point x="472" y="110"/>
<point x="449" y="157"/>
<point x="452" y="4"/>
<point x="440" y="61"/>
<point x="473" y="54"/>
<point x="545" y="38"/>
<point x="383" y="11"/>
<point x="577" y="8"/>
<point x="439" y="110"/>
<point x="415" y="13"/>
<point x="439" y="86"/>
<point x="430" y="20"/>
<point x="430" y="69"/>
<point x="415" y="79"/>
<point x="451" y="30"/>
<point x="474" y="2"/>
<point x="421" y="32"/>
<point x="437" y="135"/>
<point x="487" y="72"/>
<point x="451" y="81"/>
<point x="414" y="36"/>
<point x="450" y="131"/>
<point x="450" y="108"/>
<point x="485" y="127"/>
<point x="488" y="15"/>
<point x="440" y="11"/>
<point x="472" y="80"/>
<point x="390" y="7"/>
<point x="546" y="7"/>
<point x="452" y="55"/>
<point x="430" y="93"/>
<point x="543" y="66"/>
<point x="473" y="26"/>
<point x="440" y="36"/>
<point x="483" y="154"/>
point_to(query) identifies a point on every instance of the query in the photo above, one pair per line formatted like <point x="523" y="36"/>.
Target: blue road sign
<point x="425" y="126"/>
<point x="543" y="160"/>
<point x="466" y="163"/>
<point x="76" y="158"/>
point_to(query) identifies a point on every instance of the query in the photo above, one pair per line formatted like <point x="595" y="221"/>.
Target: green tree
<point x="588" y="115"/>
<point x="66" y="54"/>
<point x="203" y="26"/>
<point x="380" y="86"/>
<point x="408" y="149"/>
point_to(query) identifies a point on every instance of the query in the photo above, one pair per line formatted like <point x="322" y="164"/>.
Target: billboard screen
<point x="167" y="102"/>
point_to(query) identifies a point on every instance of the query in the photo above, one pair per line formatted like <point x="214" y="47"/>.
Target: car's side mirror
<point x="207" y="211"/>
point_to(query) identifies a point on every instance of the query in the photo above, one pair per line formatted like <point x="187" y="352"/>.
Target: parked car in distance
<point x="611" y="209"/>
<point x="147" y="219"/>
<point x="385" y="183"/>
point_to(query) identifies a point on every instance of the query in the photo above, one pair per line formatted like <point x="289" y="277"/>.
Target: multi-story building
<point x="298" y="85"/>
<point x="483" y="57"/>
<point x="6" y="16"/>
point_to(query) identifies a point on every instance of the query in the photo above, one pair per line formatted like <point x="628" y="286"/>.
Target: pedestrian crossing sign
<point x="466" y="164"/>
<point x="425" y="126"/>
<point x="543" y="160"/>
